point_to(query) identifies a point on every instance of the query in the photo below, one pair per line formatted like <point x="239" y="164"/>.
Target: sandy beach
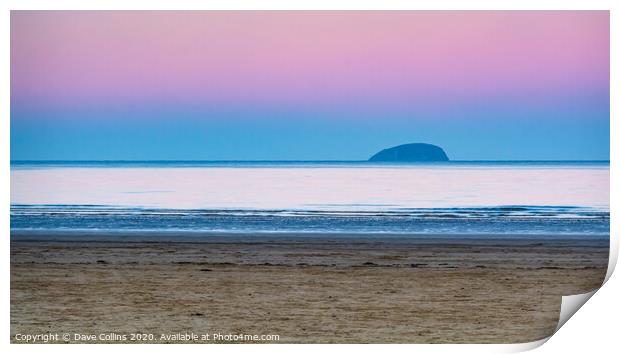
<point x="303" y="289"/>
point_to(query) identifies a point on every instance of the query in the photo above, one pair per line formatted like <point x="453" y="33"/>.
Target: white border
<point x="598" y="319"/>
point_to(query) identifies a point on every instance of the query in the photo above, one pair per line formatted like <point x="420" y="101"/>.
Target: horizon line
<point x="287" y="160"/>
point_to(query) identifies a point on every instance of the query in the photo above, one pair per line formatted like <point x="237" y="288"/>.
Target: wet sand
<point x="303" y="289"/>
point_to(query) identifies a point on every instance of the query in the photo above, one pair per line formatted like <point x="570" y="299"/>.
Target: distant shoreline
<point x="305" y="237"/>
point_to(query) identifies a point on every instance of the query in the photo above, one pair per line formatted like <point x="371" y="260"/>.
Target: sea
<point x="447" y="199"/>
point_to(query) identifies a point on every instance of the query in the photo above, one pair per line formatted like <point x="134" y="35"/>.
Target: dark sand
<point x="316" y="290"/>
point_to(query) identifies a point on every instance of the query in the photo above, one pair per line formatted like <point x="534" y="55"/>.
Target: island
<point x="415" y="152"/>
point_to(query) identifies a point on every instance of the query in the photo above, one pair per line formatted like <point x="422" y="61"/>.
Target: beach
<point x="310" y="288"/>
<point x="304" y="252"/>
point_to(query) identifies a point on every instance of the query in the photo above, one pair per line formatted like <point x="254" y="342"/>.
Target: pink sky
<point x="308" y="58"/>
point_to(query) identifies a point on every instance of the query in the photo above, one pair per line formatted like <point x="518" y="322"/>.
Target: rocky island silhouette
<point x="414" y="152"/>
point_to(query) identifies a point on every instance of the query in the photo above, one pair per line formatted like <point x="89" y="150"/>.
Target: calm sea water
<point x="455" y="198"/>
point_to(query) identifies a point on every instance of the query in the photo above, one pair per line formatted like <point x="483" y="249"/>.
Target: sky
<point x="308" y="85"/>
